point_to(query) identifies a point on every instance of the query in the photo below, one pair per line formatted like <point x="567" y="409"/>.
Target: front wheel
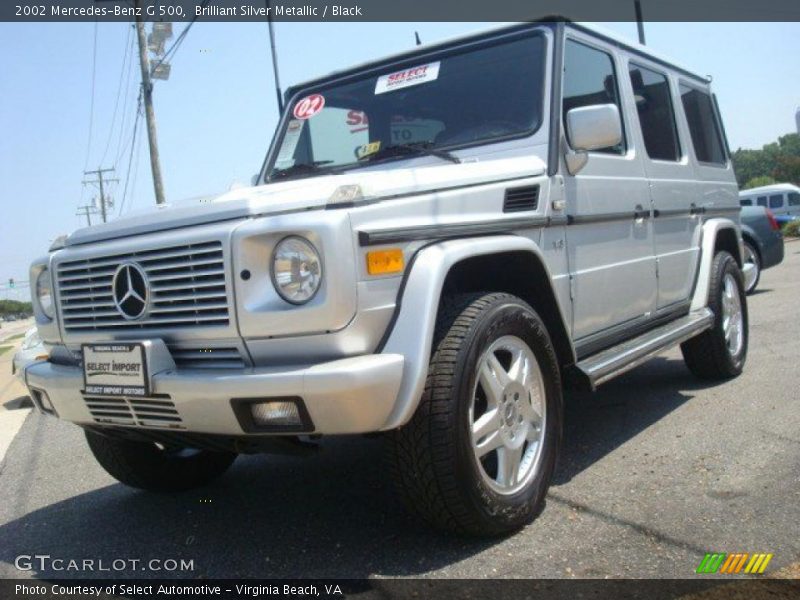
<point x="478" y="455"/>
<point x="154" y="467"/>
<point x="720" y="352"/>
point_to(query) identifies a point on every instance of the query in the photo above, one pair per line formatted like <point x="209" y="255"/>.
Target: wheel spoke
<point x="529" y="413"/>
<point x="487" y="423"/>
<point x="493" y="441"/>
<point x="499" y="372"/>
<point x="508" y="465"/>
<point x="520" y="368"/>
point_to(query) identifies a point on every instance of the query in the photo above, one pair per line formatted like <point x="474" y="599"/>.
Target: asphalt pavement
<point x="657" y="469"/>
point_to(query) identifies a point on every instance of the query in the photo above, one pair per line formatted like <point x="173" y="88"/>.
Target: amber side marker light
<point x="385" y="262"/>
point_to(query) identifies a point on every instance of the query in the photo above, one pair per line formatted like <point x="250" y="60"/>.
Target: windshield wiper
<point x="299" y="169"/>
<point x="411" y="149"/>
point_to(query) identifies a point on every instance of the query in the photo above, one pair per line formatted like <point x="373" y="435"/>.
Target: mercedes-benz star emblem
<point x="130" y="291"/>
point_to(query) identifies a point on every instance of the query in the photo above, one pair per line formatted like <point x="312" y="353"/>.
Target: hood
<point x="310" y="193"/>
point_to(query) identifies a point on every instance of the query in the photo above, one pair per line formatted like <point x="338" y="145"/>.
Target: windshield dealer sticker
<point x="407" y="78"/>
<point x="293" y="130"/>
<point x="309" y="106"/>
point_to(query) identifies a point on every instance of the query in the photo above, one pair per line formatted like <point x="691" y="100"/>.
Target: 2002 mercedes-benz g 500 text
<point x="436" y="245"/>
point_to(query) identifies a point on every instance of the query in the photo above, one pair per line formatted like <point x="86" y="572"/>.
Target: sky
<point x="217" y="112"/>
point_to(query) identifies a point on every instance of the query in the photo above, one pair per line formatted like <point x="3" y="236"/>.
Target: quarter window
<point x="746" y="202"/>
<point x="656" y="116"/>
<point x="589" y="78"/>
<point x="703" y="125"/>
<point x="776" y="201"/>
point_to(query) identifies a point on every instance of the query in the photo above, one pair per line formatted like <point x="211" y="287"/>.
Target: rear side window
<point x="776" y="201"/>
<point x="762" y="201"/>
<point x="746" y="202"/>
<point x="589" y="78"/>
<point x="656" y="116"/>
<point x="794" y="199"/>
<point x="703" y="126"/>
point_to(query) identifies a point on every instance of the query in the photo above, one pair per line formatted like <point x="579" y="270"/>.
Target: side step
<point x="616" y="360"/>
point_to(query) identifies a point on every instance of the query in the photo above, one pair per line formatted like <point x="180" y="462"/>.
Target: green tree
<point x="758" y="182"/>
<point x="779" y="161"/>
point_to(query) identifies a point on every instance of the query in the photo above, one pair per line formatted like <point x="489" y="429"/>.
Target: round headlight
<point x="44" y="294"/>
<point x="296" y="269"/>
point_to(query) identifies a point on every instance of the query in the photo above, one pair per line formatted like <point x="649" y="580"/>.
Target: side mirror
<point x="591" y="128"/>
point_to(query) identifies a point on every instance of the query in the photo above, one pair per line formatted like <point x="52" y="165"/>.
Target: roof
<point x="599" y="31"/>
<point x="766" y="189"/>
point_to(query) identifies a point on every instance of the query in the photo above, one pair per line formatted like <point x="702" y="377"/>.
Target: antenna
<point x="274" y="58"/>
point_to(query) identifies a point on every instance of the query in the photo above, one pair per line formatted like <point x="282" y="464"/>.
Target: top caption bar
<point x="395" y="10"/>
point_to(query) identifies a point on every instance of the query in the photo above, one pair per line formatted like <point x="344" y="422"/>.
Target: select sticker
<point x="407" y="78"/>
<point x="309" y="106"/>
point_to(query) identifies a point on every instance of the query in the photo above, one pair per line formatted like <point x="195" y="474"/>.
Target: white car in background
<point x="32" y="349"/>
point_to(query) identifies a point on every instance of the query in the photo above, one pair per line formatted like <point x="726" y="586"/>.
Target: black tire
<point x="432" y="459"/>
<point x="708" y="355"/>
<point x="755" y="258"/>
<point x="149" y="467"/>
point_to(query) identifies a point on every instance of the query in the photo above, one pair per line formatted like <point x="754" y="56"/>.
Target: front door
<point x="610" y="237"/>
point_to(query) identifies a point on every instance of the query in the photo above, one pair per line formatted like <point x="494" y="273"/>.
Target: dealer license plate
<point x="115" y="370"/>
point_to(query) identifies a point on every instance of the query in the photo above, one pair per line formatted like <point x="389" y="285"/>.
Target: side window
<point x="589" y="78"/>
<point x="703" y="125"/>
<point x="794" y="199"/>
<point x="762" y="201"/>
<point x="776" y="201"/>
<point x="746" y="202"/>
<point x="656" y="116"/>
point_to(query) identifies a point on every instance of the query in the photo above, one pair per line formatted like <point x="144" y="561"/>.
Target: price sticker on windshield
<point x="309" y="106"/>
<point x="407" y="78"/>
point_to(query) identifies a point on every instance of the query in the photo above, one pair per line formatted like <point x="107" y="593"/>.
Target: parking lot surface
<point x="657" y="469"/>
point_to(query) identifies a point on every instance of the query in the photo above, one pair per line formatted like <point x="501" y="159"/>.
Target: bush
<point x="792" y="228"/>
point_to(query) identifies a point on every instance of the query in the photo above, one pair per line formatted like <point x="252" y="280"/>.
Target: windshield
<point x="451" y="100"/>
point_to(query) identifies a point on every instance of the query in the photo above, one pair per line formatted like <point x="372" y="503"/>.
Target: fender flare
<point x="413" y="329"/>
<point x="711" y="229"/>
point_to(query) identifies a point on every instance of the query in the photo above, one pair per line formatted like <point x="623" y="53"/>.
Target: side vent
<point x="521" y="198"/>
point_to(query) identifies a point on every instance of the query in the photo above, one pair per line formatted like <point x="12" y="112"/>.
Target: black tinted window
<point x="703" y="125"/>
<point x="589" y="78"/>
<point x="776" y="201"/>
<point x="746" y="202"/>
<point x="794" y="199"/>
<point x="656" y="117"/>
<point x="762" y="201"/>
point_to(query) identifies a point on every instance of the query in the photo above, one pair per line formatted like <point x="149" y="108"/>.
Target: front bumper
<point x="351" y="395"/>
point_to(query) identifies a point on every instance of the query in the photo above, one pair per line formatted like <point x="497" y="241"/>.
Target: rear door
<point x="673" y="188"/>
<point x="609" y="237"/>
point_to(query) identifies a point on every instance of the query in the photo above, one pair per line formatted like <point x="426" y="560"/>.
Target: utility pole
<point x="637" y="4"/>
<point x="149" y="113"/>
<point x="86" y="210"/>
<point x="100" y="181"/>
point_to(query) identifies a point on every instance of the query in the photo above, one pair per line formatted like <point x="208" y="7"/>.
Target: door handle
<point x="640" y="214"/>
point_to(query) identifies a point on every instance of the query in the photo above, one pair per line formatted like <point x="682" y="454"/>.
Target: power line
<point x="179" y="40"/>
<point x="125" y="54"/>
<point x="123" y="121"/>
<point x="91" y="102"/>
<point x="104" y="202"/>
<point x="130" y="157"/>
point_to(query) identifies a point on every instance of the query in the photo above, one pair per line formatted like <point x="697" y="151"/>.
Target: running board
<point x="609" y="363"/>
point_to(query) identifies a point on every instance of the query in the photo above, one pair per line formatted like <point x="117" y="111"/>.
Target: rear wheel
<point x="157" y="468"/>
<point x="752" y="257"/>
<point x="479" y="453"/>
<point x="720" y="352"/>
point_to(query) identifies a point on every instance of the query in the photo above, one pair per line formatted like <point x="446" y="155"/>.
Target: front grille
<point x="158" y="411"/>
<point x="187" y="289"/>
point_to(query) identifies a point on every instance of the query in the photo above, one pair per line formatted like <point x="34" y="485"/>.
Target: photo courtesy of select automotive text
<point x="374" y="299"/>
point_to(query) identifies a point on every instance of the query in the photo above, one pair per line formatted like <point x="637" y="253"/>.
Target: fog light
<point x="280" y="413"/>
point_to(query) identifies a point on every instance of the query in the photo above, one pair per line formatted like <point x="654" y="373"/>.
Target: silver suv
<point x="437" y="244"/>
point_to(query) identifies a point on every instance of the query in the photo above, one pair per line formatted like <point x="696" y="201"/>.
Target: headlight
<point x="44" y="294"/>
<point x="296" y="269"/>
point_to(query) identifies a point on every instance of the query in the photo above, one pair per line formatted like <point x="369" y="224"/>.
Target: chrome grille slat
<point x="148" y="412"/>
<point x="207" y="358"/>
<point x="175" y="275"/>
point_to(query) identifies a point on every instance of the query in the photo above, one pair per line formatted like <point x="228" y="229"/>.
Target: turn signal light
<point x="385" y="262"/>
